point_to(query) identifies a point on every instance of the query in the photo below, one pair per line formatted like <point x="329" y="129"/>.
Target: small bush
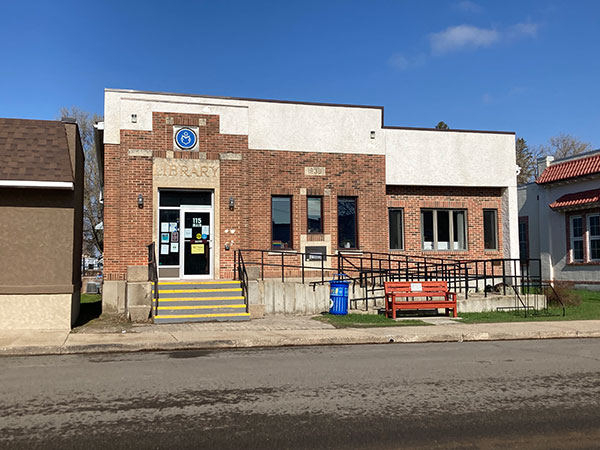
<point x="567" y="293"/>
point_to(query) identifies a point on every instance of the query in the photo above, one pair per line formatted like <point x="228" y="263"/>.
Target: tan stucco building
<point x="41" y="220"/>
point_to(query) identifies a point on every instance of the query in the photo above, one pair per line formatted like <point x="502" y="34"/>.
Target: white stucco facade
<point x="548" y="236"/>
<point x="269" y="125"/>
<point x="568" y="185"/>
<point x="450" y="158"/>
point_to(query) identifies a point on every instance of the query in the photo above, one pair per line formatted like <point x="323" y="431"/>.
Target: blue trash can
<point x="338" y="295"/>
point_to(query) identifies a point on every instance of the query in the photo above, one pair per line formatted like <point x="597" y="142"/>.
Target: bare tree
<point x="93" y="235"/>
<point x="526" y="161"/>
<point x="562" y="146"/>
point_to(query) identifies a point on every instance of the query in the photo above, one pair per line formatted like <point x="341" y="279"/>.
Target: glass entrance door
<point x="197" y="244"/>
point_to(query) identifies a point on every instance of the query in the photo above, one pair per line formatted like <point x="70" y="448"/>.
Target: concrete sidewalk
<point x="275" y="331"/>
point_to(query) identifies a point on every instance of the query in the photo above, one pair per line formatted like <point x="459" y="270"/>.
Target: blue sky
<point x="526" y="66"/>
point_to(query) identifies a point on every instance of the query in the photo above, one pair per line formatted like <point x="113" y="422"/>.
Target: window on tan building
<point x="593" y="228"/>
<point x="576" y="238"/>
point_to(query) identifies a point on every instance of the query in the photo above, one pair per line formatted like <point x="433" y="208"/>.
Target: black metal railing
<point x="242" y="275"/>
<point x="369" y="270"/>
<point x="153" y="275"/>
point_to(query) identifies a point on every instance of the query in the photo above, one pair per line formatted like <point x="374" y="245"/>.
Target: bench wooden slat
<point x="398" y="293"/>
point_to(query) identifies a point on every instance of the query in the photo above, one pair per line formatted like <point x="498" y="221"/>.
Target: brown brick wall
<point x="413" y="198"/>
<point x="251" y="182"/>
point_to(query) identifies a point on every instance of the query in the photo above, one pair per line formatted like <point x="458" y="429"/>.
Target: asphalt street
<point x="520" y="394"/>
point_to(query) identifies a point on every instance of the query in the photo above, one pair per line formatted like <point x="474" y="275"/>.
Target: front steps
<point x="200" y="301"/>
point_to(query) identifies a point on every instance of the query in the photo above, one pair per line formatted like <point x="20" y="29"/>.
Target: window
<point x="593" y="227"/>
<point x="524" y="237"/>
<point x="443" y="229"/>
<point x="314" y="212"/>
<point x="396" y="229"/>
<point x="577" y="239"/>
<point x="490" y="228"/>
<point x="347" y="229"/>
<point x="281" y="222"/>
<point x="169" y="222"/>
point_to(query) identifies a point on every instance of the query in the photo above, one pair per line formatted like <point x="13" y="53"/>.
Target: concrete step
<point x="212" y="317"/>
<point x="200" y="293"/>
<point x="195" y="301"/>
<point x="187" y="310"/>
<point x="200" y="301"/>
<point x="186" y="285"/>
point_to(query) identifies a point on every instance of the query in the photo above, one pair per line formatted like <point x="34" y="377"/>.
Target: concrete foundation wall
<point x="114" y="296"/>
<point x="297" y="298"/>
<point x="288" y="297"/>
<point x="493" y="302"/>
<point x="38" y="311"/>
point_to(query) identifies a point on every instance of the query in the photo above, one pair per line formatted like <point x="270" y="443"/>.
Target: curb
<point x="294" y="341"/>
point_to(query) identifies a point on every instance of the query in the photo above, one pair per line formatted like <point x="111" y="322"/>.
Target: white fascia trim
<point x="37" y="184"/>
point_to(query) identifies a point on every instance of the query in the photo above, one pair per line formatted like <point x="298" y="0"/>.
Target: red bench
<point x="430" y="295"/>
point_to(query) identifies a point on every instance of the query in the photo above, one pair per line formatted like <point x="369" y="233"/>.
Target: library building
<point x="192" y="179"/>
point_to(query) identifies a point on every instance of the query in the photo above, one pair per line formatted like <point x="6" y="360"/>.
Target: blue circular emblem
<point x="185" y="138"/>
<point x="204" y="236"/>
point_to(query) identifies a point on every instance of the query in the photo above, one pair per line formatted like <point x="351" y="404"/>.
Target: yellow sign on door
<point x="197" y="249"/>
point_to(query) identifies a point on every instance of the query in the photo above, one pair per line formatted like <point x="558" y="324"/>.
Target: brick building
<point x="202" y="176"/>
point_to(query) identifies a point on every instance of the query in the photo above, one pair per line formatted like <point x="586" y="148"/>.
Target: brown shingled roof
<point x="34" y="150"/>
<point x="570" y="169"/>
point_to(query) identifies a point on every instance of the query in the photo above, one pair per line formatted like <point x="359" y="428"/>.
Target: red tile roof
<point x="570" y="169"/>
<point x="584" y="198"/>
<point x="34" y="150"/>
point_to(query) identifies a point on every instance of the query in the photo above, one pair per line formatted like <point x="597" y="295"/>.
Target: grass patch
<point x="90" y="298"/>
<point x="365" y="321"/>
<point x="587" y="309"/>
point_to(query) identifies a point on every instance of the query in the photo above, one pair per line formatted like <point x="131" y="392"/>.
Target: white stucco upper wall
<point x="413" y="156"/>
<point x="120" y="105"/>
<point x="269" y="125"/>
<point x="450" y="158"/>
<point x="326" y="129"/>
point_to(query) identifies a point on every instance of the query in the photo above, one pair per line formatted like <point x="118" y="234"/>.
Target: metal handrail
<point x="153" y="275"/>
<point x="376" y="267"/>
<point x="242" y="275"/>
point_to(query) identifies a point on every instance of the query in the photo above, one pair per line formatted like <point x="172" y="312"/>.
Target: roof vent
<point x="68" y="119"/>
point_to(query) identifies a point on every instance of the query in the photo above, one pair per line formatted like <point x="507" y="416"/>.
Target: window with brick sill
<point x="281" y="222"/>
<point x="443" y="229"/>
<point x="396" y="228"/>
<point x="347" y="223"/>
<point x="490" y="229"/>
<point x="314" y="214"/>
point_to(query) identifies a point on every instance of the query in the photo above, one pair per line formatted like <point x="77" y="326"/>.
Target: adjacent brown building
<point x="41" y="220"/>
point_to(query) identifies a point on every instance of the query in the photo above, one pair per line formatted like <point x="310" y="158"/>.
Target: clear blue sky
<point x="527" y="66"/>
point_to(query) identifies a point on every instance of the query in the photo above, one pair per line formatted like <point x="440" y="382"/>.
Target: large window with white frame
<point x="576" y="226"/>
<point x="593" y="229"/>
<point x="443" y="229"/>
